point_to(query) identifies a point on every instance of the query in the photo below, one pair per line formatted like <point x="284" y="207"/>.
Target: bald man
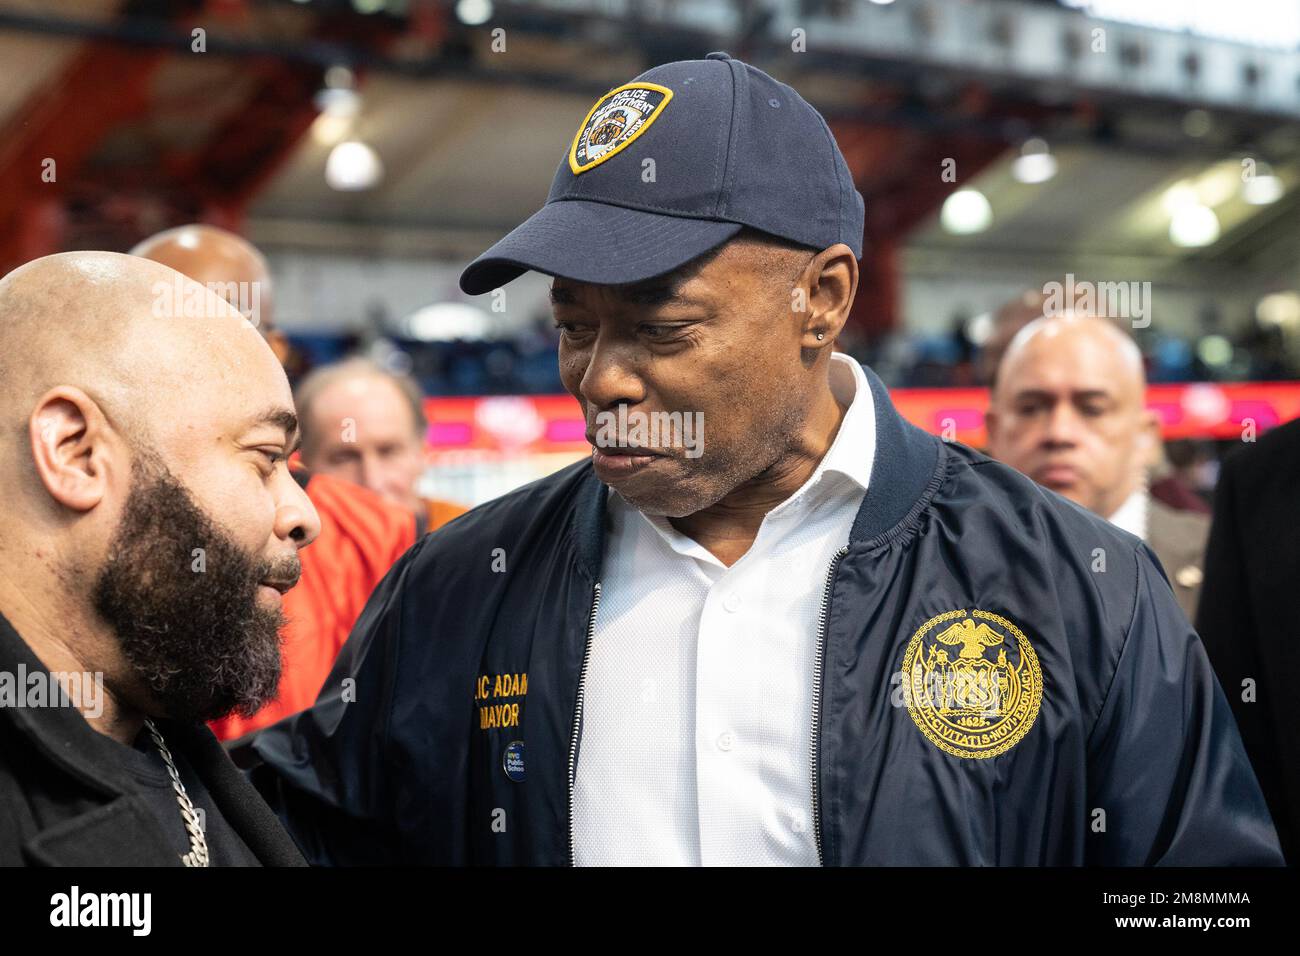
<point x="1067" y="409"/>
<point x="361" y="533"/>
<point x="365" y="424"/>
<point x="151" y="529"/>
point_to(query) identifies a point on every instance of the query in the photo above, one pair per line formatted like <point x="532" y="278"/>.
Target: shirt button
<point x="731" y="602"/>
<point x="726" y="740"/>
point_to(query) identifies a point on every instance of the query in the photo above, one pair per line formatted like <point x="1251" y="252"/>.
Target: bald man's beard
<point x="193" y="632"/>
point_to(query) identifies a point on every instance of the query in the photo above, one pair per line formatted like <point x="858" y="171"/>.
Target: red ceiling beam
<point x="101" y="87"/>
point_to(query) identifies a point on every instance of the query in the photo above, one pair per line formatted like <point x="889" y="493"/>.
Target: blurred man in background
<point x="1067" y="409"/>
<point x="150" y="531"/>
<point x="365" y="424"/>
<point x="1249" y="611"/>
<point x="361" y="534"/>
<point x="1167" y="483"/>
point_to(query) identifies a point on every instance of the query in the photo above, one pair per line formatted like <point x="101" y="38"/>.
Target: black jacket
<point x="1107" y="740"/>
<point x="61" y="804"/>
<point x="1250" y="612"/>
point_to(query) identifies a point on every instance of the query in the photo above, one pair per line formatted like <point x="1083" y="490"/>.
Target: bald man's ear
<point x="1152" y="441"/>
<point x="831" y="280"/>
<point x="70" y="447"/>
<point x="990" y="429"/>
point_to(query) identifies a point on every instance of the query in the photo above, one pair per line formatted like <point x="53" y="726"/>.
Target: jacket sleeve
<point x="1166" y="765"/>
<point x="327" y="772"/>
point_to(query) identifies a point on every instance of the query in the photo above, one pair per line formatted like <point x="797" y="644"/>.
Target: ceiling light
<point x="1193" y="226"/>
<point x="1035" y="164"/>
<point x="353" y="166"/>
<point x="966" y="212"/>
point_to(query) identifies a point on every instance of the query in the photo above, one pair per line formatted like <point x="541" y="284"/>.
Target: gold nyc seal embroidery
<point x="618" y="117"/>
<point x="972" y="683"/>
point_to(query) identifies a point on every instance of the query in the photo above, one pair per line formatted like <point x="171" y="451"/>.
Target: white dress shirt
<point x="1131" y="516"/>
<point x="697" y="719"/>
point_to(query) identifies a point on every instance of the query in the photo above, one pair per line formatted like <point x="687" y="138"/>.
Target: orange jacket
<point x="361" y="535"/>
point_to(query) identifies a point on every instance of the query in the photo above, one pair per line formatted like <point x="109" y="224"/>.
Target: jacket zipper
<point x="819" y="667"/>
<point x="577" y="718"/>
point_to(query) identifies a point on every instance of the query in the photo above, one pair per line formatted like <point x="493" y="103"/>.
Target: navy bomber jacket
<point x="1005" y="679"/>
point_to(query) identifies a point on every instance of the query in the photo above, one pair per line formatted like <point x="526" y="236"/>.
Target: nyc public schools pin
<point x="512" y="761"/>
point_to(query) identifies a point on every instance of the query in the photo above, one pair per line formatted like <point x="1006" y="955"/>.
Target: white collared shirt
<point x="1131" y="516"/>
<point x="697" y="716"/>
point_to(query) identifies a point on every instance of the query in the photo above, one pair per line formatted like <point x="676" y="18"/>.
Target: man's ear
<point x="832" y="281"/>
<point x="68" y="435"/>
<point x="990" y="428"/>
<point x="1151" y="440"/>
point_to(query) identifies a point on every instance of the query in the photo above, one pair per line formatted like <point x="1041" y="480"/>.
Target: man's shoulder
<point x="359" y="515"/>
<point x="1185" y="530"/>
<point x="1267" y="465"/>
<point x="541" y="508"/>
<point x="1029" y="505"/>
<point x="1007" y="513"/>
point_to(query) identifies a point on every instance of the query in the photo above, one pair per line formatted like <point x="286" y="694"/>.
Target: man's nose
<point x="1062" y="425"/>
<point x="609" y="379"/>
<point x="295" y="516"/>
<point x="371" y="472"/>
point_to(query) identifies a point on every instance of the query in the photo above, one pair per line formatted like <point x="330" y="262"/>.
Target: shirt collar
<point x="854" y="448"/>
<point x="1131" y="516"/>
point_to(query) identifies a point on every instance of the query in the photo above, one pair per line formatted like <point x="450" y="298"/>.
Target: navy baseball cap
<point x="672" y="165"/>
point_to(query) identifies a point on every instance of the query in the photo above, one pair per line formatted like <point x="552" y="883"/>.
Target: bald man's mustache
<point x="184" y="298"/>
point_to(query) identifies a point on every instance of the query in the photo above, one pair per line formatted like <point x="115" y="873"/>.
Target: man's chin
<point x="664" y="498"/>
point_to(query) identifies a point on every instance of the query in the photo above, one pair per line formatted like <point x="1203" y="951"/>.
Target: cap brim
<point x="595" y="242"/>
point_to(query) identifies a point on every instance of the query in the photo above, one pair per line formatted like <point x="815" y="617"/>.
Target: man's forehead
<point x="663" y="290"/>
<point x="684" y="285"/>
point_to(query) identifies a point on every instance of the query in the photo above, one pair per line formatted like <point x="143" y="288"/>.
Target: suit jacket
<point x="1250" y="613"/>
<point x="62" y="805"/>
<point x="1178" y="539"/>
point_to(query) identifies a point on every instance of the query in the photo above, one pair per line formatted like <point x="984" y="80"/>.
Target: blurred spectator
<point x="1249" y="611"/>
<point x="361" y="533"/>
<point x="1183" y="475"/>
<point x="1007" y="323"/>
<point x="1067" y="410"/>
<point x="365" y="424"/>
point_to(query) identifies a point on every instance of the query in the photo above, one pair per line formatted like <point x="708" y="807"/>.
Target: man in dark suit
<point x="1250" y="613"/>
<point x="1067" y="410"/>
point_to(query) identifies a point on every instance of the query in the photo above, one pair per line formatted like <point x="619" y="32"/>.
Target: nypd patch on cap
<point x="668" y="167"/>
<point x="617" y="119"/>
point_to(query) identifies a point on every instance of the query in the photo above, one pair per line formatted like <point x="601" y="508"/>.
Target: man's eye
<point x="660" y="332"/>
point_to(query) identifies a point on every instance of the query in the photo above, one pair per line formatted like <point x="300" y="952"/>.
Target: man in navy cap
<point x="769" y="622"/>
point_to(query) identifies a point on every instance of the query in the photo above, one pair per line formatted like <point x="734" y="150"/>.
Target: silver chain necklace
<point x="198" y="855"/>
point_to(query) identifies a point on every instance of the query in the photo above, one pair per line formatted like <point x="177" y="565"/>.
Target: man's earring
<point x="820" y="336"/>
